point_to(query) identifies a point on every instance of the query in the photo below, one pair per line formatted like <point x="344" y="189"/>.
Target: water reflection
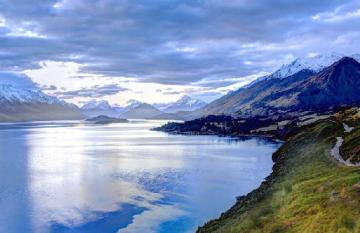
<point x="14" y="193"/>
<point x="75" y="177"/>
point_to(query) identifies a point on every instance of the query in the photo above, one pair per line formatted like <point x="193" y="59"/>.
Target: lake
<point x="76" y="177"/>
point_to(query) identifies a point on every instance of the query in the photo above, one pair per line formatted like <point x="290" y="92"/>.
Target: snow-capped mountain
<point x="316" y="64"/>
<point x="18" y="88"/>
<point x="138" y="110"/>
<point x="96" y="104"/>
<point x="22" y="100"/>
<point x="95" y="108"/>
<point x="334" y="86"/>
<point x="132" y="104"/>
<point x="185" y="103"/>
<point x="9" y="93"/>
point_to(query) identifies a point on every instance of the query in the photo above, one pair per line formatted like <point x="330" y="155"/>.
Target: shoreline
<point x="254" y="195"/>
<point x="312" y="140"/>
<point x="305" y="152"/>
<point x="263" y="185"/>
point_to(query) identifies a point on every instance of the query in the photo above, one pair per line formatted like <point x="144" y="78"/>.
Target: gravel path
<point x="335" y="151"/>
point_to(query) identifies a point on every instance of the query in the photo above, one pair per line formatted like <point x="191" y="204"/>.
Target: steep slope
<point x="252" y="100"/>
<point x="315" y="64"/>
<point x="334" y="86"/>
<point x="307" y="191"/>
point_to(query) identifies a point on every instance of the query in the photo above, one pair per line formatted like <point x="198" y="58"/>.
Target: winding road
<point x="335" y="151"/>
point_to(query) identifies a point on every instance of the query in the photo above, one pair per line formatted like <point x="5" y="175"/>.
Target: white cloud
<point x="195" y="47"/>
<point x="2" y="22"/>
<point x="22" y="32"/>
<point x="149" y="220"/>
<point x="336" y="16"/>
<point x="69" y="77"/>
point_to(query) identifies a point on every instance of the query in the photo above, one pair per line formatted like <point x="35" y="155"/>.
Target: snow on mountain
<point x="13" y="94"/>
<point x="185" y="103"/>
<point x="132" y="104"/>
<point x="332" y="87"/>
<point x="315" y="64"/>
<point x="356" y="57"/>
<point x="22" y="100"/>
<point x="96" y="104"/>
<point x="18" y="88"/>
<point x="162" y="106"/>
<point x="95" y="108"/>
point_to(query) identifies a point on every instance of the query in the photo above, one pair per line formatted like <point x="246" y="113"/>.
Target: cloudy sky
<point x="156" y="51"/>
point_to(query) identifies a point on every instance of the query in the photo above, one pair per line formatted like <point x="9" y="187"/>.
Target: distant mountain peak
<point x="184" y="103"/>
<point x="142" y="111"/>
<point x="102" y="107"/>
<point x="144" y="105"/>
<point x="132" y="103"/>
<point x="96" y="104"/>
<point x="184" y="98"/>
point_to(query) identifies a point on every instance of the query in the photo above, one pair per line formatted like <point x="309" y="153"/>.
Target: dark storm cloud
<point x="173" y="42"/>
<point x="93" y="92"/>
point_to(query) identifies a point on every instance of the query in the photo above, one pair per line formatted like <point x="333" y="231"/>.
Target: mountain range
<point x="137" y="109"/>
<point x="185" y="103"/>
<point x="311" y="88"/>
<point x="95" y="108"/>
<point x="317" y="83"/>
<point x="22" y="100"/>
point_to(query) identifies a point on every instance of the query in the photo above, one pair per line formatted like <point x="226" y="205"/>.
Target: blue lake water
<point x="76" y="177"/>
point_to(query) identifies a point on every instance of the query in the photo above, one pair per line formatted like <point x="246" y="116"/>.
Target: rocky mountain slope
<point x="334" y="86"/>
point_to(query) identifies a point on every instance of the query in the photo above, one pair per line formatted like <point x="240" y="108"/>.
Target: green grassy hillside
<point x="308" y="191"/>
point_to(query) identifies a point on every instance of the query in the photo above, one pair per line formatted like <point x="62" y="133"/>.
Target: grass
<point x="308" y="192"/>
